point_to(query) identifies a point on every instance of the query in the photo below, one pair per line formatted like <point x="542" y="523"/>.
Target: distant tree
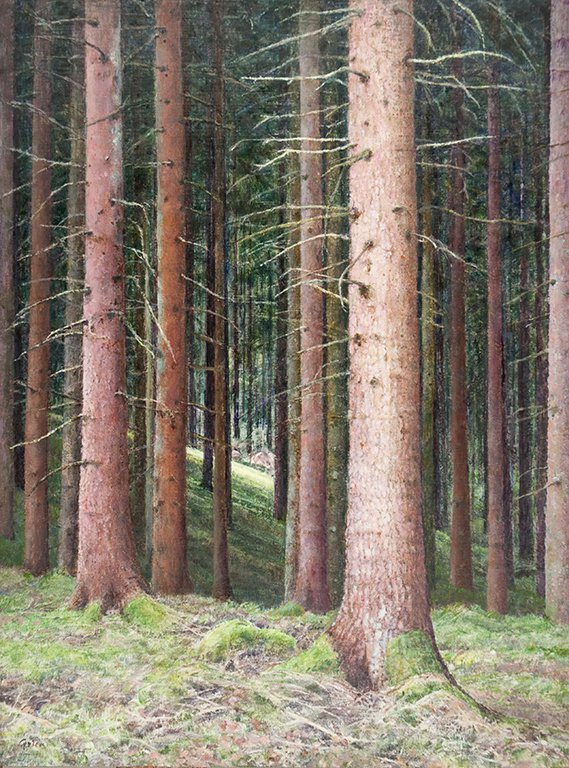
<point x="7" y="273"/>
<point x="385" y="590"/>
<point x="311" y="588"/>
<point x="461" y="538"/>
<point x="497" y="586"/>
<point x="169" y="560"/>
<point x="71" y="433"/>
<point x="36" y="509"/>
<point x="107" y="570"/>
<point x="557" y="537"/>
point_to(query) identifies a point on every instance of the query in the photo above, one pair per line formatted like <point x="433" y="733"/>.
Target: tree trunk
<point x="169" y="560"/>
<point x="208" y="428"/>
<point x="72" y="384"/>
<point x="557" y="536"/>
<point x="281" y="394"/>
<point x="107" y="571"/>
<point x="385" y="592"/>
<point x="36" y="509"/>
<point x="221" y="484"/>
<point x="311" y="589"/>
<point x="461" y="537"/>
<point x="497" y="585"/>
<point x="429" y="309"/>
<point x="7" y="274"/>
<point x="236" y="338"/>
<point x="541" y="373"/>
<point x="293" y="374"/>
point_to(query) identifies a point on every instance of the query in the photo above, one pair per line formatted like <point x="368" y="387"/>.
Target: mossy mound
<point x="287" y="610"/>
<point x="145" y="612"/>
<point x="320" y="657"/>
<point x="409" y="655"/>
<point x="238" y="634"/>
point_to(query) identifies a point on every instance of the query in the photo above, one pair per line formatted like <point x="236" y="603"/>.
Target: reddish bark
<point x="311" y="589"/>
<point x="7" y="274"/>
<point x="221" y="468"/>
<point x="557" y="536"/>
<point x="385" y="593"/>
<point x="71" y="434"/>
<point x="169" y="560"/>
<point x="461" y="537"/>
<point x="497" y="584"/>
<point x="107" y="570"/>
<point x="208" y="424"/>
<point x="36" y="510"/>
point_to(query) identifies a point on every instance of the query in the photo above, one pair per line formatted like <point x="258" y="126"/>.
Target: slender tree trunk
<point x="429" y="308"/>
<point x="541" y="216"/>
<point x="236" y="339"/>
<point x="221" y="485"/>
<point x="293" y="375"/>
<point x="497" y="586"/>
<point x="281" y="395"/>
<point x="71" y="434"/>
<point x="207" y="466"/>
<point x="385" y="592"/>
<point x="36" y="510"/>
<point x="461" y="537"/>
<point x="7" y="274"/>
<point x="311" y="588"/>
<point x="107" y="570"/>
<point x="441" y="415"/>
<point x="169" y="561"/>
<point x="557" y="536"/>
<point x="250" y="356"/>
<point x="525" y="502"/>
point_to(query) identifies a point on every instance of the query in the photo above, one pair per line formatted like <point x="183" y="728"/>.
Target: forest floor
<point x="192" y="682"/>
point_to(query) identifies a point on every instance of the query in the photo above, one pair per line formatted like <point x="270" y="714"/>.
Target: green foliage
<point x="288" y="610"/>
<point x="320" y="657"/>
<point x="238" y="634"/>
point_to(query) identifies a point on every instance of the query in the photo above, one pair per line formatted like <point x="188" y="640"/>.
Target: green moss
<point x="236" y="634"/>
<point x="320" y="657"/>
<point x="287" y="610"/>
<point x="93" y="613"/>
<point x="408" y="655"/>
<point x="145" y="612"/>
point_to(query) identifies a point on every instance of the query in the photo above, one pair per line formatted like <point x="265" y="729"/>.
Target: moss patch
<point x="320" y="657"/>
<point x="145" y="612"/>
<point x="238" y="634"/>
<point x="409" y="655"/>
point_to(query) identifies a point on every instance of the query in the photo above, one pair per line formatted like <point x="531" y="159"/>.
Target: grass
<point x="192" y="682"/>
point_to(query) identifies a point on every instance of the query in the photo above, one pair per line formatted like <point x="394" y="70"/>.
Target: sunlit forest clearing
<point x="284" y="383"/>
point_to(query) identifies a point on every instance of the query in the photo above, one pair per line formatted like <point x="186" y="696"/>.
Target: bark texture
<point x="169" y="560"/>
<point x="497" y="583"/>
<point x="461" y="538"/>
<point x="36" y="510"/>
<point x="221" y="467"/>
<point x="557" y="536"/>
<point x="71" y="433"/>
<point x="385" y="591"/>
<point x="311" y="589"/>
<point x="107" y="570"/>
<point x="7" y="274"/>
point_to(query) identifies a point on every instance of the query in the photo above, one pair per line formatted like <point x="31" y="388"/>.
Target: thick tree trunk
<point x="385" y="592"/>
<point x="557" y="537"/>
<point x="169" y="560"/>
<point x="107" y="570"/>
<point x="7" y="274"/>
<point x="311" y="589"/>
<point x="461" y="537"/>
<point x="72" y="384"/>
<point x="221" y="478"/>
<point x="36" y="510"/>
<point x="497" y="585"/>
